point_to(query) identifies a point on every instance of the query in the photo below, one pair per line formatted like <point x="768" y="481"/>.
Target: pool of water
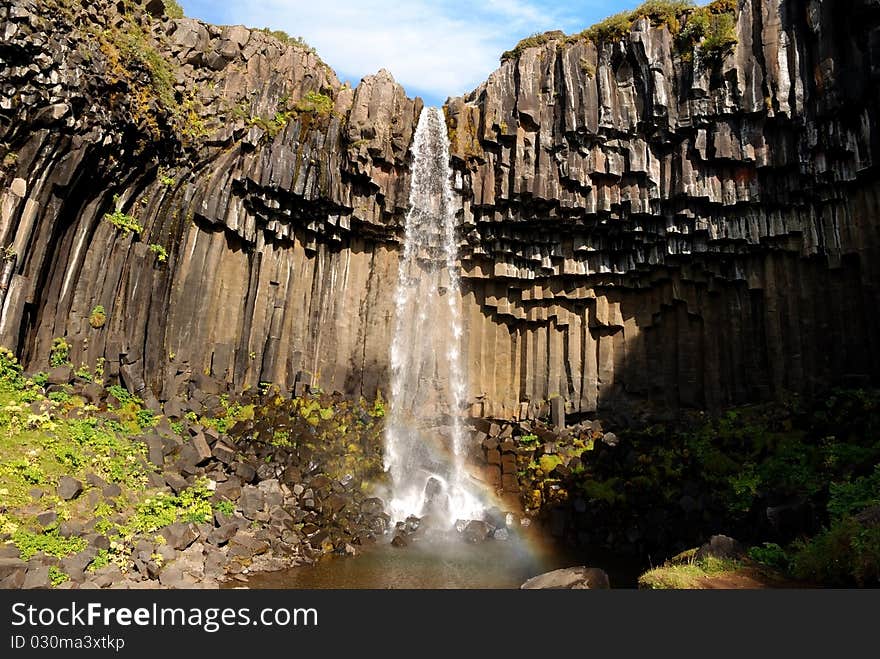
<point x="439" y="563"/>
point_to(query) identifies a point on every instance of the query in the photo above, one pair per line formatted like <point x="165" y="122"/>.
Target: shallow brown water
<point x="435" y="563"/>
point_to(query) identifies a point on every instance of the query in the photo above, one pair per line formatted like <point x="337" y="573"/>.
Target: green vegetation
<point x="712" y="28"/>
<point x="160" y="252"/>
<point x="69" y="438"/>
<point x="231" y="414"/>
<point x="345" y="436"/>
<point x="98" y="317"/>
<point x="613" y="28"/>
<point x="57" y="576"/>
<point x="824" y="457"/>
<point x="225" y="507"/>
<point x="316" y="103"/>
<point x="122" y="221"/>
<point x="533" y="41"/>
<point x="59" y="355"/>
<point x="684" y="572"/>
<point x="49" y="542"/>
<point x="285" y="38"/>
<point x="173" y="9"/>
<point x="134" y="61"/>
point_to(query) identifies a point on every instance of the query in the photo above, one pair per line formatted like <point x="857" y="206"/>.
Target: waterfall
<point x="425" y="440"/>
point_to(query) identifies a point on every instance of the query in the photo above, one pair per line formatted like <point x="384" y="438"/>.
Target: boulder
<point x="252" y="501"/>
<point x="37" y="577"/>
<point x="59" y="375"/>
<point x="720" y="546"/>
<point x="179" y="535"/>
<point x="574" y="578"/>
<point x="68" y="488"/>
<point x="476" y="530"/>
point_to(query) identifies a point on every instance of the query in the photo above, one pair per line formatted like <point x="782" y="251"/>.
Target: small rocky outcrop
<point x="573" y="578"/>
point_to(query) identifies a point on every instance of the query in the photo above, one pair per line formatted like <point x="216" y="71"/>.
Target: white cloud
<point x="433" y="48"/>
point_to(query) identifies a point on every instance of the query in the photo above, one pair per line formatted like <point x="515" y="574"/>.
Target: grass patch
<point x="685" y="573"/>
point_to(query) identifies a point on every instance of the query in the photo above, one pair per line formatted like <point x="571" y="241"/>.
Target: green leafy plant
<point x="59" y="355"/>
<point x="57" y="576"/>
<point x="160" y="252"/>
<point x="50" y="543"/>
<point x="225" y="507"/>
<point x="315" y="102"/>
<point x="122" y="221"/>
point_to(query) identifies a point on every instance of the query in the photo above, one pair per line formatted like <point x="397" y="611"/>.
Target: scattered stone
<point x="37" y="577"/>
<point x="44" y="519"/>
<point x="179" y="535"/>
<point x="68" y="488"/>
<point x="251" y="502"/>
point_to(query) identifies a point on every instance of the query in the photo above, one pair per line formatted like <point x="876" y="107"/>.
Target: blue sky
<point x="434" y="49"/>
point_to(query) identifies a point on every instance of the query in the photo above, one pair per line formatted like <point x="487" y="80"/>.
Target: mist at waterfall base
<point x="425" y="441"/>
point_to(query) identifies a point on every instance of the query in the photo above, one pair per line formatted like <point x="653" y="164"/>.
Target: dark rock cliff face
<point x="636" y="226"/>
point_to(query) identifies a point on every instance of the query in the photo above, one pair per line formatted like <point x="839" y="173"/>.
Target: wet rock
<point x="582" y="577"/>
<point x="475" y="531"/>
<point x="372" y="506"/>
<point x="399" y="541"/>
<point x="68" y="488"/>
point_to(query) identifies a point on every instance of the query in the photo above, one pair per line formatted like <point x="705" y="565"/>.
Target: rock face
<point x="635" y="224"/>
<point x="700" y="233"/>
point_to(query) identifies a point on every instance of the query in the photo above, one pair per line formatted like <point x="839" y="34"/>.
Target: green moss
<point x="98" y="317"/>
<point x="663" y="12"/>
<point x="285" y="38"/>
<point x="534" y="41"/>
<point x="711" y="29"/>
<point x="613" y="28"/>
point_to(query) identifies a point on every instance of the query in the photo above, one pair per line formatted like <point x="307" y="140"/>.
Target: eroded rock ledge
<point x="637" y="225"/>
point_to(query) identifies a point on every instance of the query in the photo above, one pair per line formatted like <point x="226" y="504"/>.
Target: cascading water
<point x="425" y="439"/>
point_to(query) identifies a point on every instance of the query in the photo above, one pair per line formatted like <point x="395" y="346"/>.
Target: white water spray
<point x="425" y="440"/>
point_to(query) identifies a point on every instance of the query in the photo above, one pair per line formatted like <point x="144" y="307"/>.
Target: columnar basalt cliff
<point x="639" y="223"/>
